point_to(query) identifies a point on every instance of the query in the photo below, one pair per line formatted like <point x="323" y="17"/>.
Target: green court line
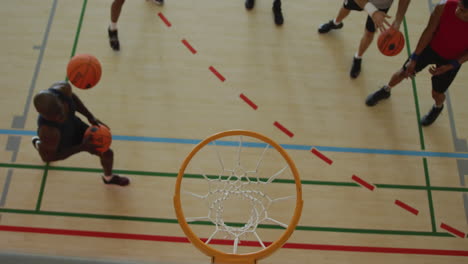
<point x="262" y="226"/>
<point x="75" y="44"/>
<point x="421" y="135"/>
<point x="78" y="30"/>
<point x="41" y="190"/>
<point x="429" y="196"/>
<point x="196" y="176"/>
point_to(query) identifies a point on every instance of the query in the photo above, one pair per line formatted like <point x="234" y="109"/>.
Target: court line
<point x="175" y="239"/>
<point x="196" y="176"/>
<point x="416" y="153"/>
<point x="421" y="134"/>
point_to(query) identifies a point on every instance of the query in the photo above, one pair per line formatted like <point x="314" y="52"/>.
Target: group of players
<point x="443" y="44"/>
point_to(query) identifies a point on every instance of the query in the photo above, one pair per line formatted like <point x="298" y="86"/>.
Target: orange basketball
<point x="391" y="42"/>
<point x="84" y="71"/>
<point x="100" y="136"/>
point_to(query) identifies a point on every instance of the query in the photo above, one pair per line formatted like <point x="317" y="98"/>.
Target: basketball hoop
<point x="239" y="184"/>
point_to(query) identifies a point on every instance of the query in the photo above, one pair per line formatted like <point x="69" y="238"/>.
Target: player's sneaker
<point x="278" y="14"/>
<point x="34" y="141"/>
<point x="355" y="68"/>
<point x="249" y="4"/>
<point x="117" y="180"/>
<point x="113" y="39"/>
<point x="325" y="28"/>
<point x="158" y="2"/>
<point x="430" y="117"/>
<point x="378" y="95"/>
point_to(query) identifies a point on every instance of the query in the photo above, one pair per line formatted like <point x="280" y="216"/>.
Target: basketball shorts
<point x="352" y="5"/>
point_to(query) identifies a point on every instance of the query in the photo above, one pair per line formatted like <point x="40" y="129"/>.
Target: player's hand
<point x="96" y="122"/>
<point x="410" y="68"/>
<point x="380" y="20"/>
<point x="441" y="69"/>
<point x="88" y="146"/>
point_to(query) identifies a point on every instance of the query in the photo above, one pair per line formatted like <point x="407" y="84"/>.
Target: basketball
<point x="84" y="71"/>
<point x="391" y="42"/>
<point x="100" y="136"/>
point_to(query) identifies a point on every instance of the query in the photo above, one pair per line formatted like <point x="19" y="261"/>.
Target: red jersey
<point x="451" y="37"/>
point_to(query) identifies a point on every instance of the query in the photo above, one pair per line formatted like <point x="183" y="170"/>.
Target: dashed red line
<point x="453" y="230"/>
<point x="321" y="156"/>
<point x="174" y="239"/>
<point x="215" y="72"/>
<point x="282" y="128"/>
<point x="248" y="101"/>
<point x="164" y="19"/>
<point x="363" y="183"/>
<point x="407" y="207"/>
<point x="189" y="46"/>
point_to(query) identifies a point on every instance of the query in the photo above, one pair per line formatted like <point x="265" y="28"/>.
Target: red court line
<point x="248" y="101"/>
<point x="363" y="183"/>
<point x="282" y="128"/>
<point x="189" y="46"/>
<point x="320" y="155"/>
<point x="453" y="230"/>
<point x="407" y="207"/>
<point x="164" y="19"/>
<point x="174" y="239"/>
<point x="215" y="72"/>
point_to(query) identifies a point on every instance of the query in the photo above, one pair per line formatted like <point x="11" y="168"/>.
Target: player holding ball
<point x="61" y="133"/>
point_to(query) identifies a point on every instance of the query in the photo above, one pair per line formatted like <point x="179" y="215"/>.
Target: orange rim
<point x="217" y="255"/>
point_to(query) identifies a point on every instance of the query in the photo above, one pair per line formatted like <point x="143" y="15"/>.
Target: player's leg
<point x="107" y="162"/>
<point x="440" y="84"/>
<point x="116" y="9"/>
<point x="427" y="57"/>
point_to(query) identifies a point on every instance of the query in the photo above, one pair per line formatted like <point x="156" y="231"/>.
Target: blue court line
<point x="261" y="145"/>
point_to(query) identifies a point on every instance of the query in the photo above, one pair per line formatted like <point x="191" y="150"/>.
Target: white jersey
<point x="382" y="4"/>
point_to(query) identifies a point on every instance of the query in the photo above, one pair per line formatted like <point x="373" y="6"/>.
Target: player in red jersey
<point x="444" y="43"/>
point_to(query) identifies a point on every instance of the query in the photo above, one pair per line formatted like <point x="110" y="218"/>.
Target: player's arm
<point x="400" y="14"/>
<point x="430" y="29"/>
<point x="425" y="38"/>
<point x="49" y="139"/>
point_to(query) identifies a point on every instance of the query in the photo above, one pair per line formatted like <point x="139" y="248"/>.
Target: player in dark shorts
<point x="444" y="42"/>
<point x="277" y="12"/>
<point x="61" y="132"/>
<point x="377" y="18"/>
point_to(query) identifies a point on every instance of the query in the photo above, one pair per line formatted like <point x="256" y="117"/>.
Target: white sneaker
<point x="34" y="141"/>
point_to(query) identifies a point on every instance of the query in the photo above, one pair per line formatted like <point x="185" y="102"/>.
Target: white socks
<point x="107" y="178"/>
<point x="336" y="23"/>
<point x="387" y="88"/>
<point x="113" y="26"/>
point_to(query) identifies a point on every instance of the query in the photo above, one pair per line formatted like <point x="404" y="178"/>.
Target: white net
<point x="237" y="185"/>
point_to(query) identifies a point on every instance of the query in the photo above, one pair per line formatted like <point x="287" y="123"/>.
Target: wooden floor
<point x="160" y="99"/>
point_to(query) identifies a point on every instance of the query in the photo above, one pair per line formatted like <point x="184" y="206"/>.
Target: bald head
<point x="47" y="104"/>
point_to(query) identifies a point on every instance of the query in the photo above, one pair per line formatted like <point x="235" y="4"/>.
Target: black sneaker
<point x="356" y="68"/>
<point x="114" y="39"/>
<point x="117" y="180"/>
<point x="278" y="14"/>
<point x="325" y="28"/>
<point x="158" y="2"/>
<point x="34" y="140"/>
<point x="378" y="95"/>
<point x="430" y="117"/>
<point x="249" y="4"/>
